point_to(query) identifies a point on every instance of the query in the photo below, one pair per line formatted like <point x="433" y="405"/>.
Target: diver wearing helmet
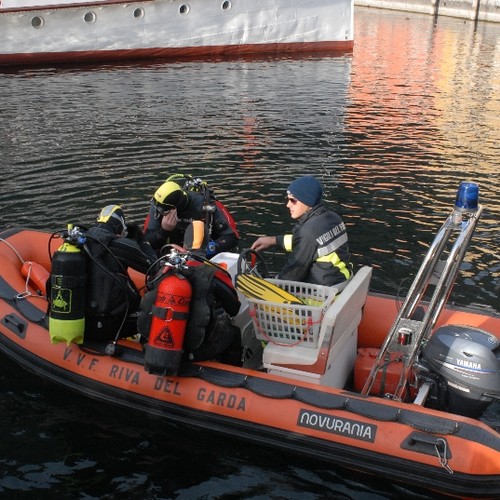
<point x="112" y="298"/>
<point x="174" y="209"/>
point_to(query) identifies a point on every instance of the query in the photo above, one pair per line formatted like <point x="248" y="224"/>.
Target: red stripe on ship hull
<point x="222" y="51"/>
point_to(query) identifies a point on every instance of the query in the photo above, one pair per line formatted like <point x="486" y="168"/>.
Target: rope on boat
<point x="13" y="249"/>
<point x="26" y="293"/>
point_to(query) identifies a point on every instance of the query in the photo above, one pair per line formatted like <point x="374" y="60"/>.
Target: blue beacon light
<point x="467" y="197"/>
<point x="466" y="201"/>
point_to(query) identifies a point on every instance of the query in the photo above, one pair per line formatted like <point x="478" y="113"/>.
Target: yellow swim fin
<point x="258" y="288"/>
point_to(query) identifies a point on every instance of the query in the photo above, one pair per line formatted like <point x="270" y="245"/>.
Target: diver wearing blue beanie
<point x="318" y="250"/>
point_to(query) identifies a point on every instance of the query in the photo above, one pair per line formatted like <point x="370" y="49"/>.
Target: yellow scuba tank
<point x="67" y="290"/>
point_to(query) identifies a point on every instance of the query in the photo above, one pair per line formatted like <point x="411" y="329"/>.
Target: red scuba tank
<point x="170" y="312"/>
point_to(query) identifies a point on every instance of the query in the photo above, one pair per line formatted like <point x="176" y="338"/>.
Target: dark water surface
<point x="390" y="130"/>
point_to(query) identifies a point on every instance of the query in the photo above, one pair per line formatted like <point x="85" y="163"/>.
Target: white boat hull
<point x="171" y="28"/>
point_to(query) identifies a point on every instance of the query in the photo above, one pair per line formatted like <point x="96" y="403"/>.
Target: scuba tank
<point x="169" y="316"/>
<point x="67" y="290"/>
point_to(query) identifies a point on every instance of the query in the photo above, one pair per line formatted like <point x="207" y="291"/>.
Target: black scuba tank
<point x="67" y="291"/>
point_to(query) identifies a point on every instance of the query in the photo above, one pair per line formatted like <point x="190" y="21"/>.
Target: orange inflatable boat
<point x="400" y="390"/>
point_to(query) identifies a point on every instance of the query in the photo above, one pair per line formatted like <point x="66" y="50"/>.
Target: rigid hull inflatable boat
<point x="393" y="390"/>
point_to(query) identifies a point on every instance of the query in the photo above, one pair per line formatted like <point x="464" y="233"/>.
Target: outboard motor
<point x="466" y="361"/>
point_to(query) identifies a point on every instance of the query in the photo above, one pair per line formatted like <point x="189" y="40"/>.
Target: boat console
<point x="327" y="355"/>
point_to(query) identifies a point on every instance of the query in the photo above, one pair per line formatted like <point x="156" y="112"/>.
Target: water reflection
<point x="391" y="131"/>
<point x="423" y="116"/>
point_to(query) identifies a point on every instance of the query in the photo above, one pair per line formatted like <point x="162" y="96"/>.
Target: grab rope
<point x="13" y="249"/>
<point x="26" y="293"/>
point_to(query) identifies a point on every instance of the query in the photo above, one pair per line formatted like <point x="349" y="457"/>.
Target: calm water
<point x="390" y="130"/>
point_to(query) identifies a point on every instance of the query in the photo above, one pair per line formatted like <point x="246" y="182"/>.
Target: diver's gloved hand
<point x="134" y="232"/>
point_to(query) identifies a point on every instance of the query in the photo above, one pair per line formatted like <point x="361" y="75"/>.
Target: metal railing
<point x="408" y="334"/>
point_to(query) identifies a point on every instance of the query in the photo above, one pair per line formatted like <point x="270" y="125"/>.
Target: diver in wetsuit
<point x="112" y="299"/>
<point x="173" y="209"/>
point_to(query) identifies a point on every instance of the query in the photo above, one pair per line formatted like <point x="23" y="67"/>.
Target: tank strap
<point x="67" y="281"/>
<point x="168" y="314"/>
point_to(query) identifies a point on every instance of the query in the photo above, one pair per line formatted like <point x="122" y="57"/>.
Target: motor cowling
<point x="67" y="294"/>
<point x="468" y="361"/>
<point x="169" y="316"/>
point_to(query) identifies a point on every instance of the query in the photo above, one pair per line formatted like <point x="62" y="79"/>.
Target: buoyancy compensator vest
<point x="67" y="290"/>
<point x="112" y="298"/>
<point x="213" y="301"/>
<point x="164" y="316"/>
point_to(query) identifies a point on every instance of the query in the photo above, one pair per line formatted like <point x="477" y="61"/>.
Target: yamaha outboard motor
<point x="467" y="363"/>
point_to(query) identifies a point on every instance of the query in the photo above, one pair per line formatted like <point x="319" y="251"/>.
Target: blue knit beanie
<point x="307" y="190"/>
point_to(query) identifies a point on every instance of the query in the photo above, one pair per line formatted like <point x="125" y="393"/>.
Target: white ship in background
<point x="66" y="31"/>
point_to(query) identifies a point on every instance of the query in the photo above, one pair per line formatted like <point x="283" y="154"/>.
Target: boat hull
<point x="172" y="29"/>
<point x="378" y="436"/>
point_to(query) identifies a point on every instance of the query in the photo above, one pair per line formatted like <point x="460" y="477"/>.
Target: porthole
<point x="138" y="13"/>
<point x="184" y="9"/>
<point x="226" y="5"/>
<point x="90" y="17"/>
<point x="37" y="22"/>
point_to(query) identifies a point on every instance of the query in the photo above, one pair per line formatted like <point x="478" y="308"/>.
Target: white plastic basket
<point x="292" y="324"/>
